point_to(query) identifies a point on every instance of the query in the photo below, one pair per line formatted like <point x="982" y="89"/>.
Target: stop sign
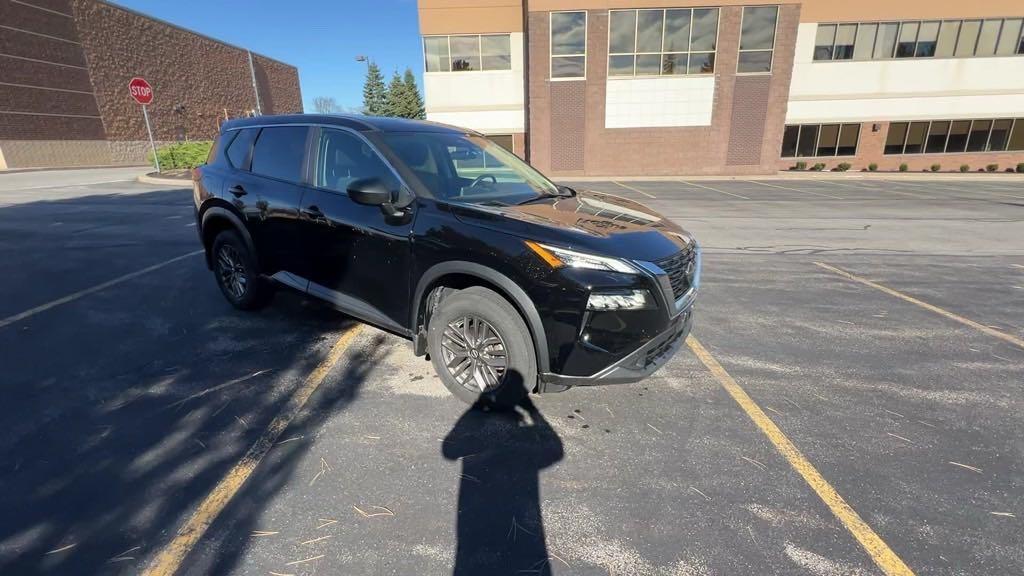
<point x="141" y="91"/>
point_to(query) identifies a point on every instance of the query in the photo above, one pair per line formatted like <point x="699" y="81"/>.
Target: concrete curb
<point x="176" y="182"/>
<point x="889" y="176"/>
<point x="63" y="168"/>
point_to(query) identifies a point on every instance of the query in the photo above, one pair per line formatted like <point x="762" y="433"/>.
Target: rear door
<point x="275" y="182"/>
<point x="359" y="258"/>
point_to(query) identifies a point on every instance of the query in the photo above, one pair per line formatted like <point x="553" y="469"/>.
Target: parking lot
<point x="850" y="403"/>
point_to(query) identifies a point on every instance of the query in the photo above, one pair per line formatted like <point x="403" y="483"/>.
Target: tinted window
<point x="343" y="157"/>
<point x="897" y="135"/>
<point x="279" y="152"/>
<point x="789" y="141"/>
<point x="435" y="53"/>
<point x="241" y="146"/>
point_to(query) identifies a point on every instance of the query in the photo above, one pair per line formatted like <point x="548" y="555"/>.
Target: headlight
<point x="624" y="300"/>
<point x="558" y="257"/>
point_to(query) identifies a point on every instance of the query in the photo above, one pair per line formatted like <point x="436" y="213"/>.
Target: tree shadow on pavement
<point x="500" y="528"/>
<point x="123" y="409"/>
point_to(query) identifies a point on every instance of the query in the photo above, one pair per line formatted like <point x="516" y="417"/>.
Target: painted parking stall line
<point x="877" y="549"/>
<point x="91" y="290"/>
<point x="649" y="195"/>
<point x="795" y="190"/>
<point x="740" y="196"/>
<point x="930" y="307"/>
<point x="170" y="558"/>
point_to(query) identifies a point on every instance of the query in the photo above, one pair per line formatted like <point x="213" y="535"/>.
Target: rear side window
<point x="280" y="152"/>
<point x="215" y="154"/>
<point x="240" y="149"/>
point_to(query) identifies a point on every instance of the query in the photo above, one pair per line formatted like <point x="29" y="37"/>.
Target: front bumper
<point x="636" y="366"/>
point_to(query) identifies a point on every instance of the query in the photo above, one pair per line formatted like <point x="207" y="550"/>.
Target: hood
<point x="590" y="221"/>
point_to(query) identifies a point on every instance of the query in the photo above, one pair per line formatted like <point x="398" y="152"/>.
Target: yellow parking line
<point x="965" y="321"/>
<point x="883" y="556"/>
<point x="634" y="189"/>
<point x="76" y="295"/>
<point x="169" y="560"/>
<point x="794" y="190"/>
<point x="714" y="189"/>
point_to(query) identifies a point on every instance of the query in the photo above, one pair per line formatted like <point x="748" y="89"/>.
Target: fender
<point x="510" y="288"/>
<point x="214" y="212"/>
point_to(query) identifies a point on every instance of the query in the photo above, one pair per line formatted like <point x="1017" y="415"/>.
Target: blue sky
<point x="321" y="38"/>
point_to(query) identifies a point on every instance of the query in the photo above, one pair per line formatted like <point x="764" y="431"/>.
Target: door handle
<point x="237" y="191"/>
<point x="313" y="213"/>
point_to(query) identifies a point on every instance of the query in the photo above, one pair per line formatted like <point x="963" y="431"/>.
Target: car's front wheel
<point x="237" y="275"/>
<point x="481" y="348"/>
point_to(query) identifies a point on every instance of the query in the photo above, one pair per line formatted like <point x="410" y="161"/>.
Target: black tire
<point x="520" y="372"/>
<point x="251" y="291"/>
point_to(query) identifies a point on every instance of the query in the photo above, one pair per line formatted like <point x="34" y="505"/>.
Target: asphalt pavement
<point x="856" y="407"/>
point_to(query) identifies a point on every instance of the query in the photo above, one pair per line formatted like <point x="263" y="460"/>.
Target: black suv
<point x="509" y="282"/>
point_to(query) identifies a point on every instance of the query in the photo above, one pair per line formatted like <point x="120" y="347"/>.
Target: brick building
<point x="664" y="87"/>
<point x="64" y="72"/>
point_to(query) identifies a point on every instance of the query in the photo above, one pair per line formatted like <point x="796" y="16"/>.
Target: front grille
<point x="680" y="269"/>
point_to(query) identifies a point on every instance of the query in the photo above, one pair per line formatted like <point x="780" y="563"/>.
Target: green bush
<point x="818" y="167"/>
<point x="843" y="166"/>
<point x="904" y="167"/>
<point x="873" y="167"/>
<point x="936" y="167"/>
<point x="182" y="154"/>
<point x="801" y="165"/>
<point x="965" y="168"/>
<point x="992" y="167"/>
<point x="1020" y="168"/>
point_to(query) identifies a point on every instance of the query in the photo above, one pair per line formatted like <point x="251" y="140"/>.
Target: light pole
<point x="363" y="58"/>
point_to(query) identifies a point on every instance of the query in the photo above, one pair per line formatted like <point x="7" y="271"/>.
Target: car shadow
<point x="500" y="528"/>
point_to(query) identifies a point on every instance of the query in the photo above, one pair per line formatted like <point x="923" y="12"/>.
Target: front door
<point x="358" y="258"/>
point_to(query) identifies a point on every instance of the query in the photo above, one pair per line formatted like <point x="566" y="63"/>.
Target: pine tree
<point x="415" y="106"/>
<point x="396" y="102"/>
<point x="374" y="92"/>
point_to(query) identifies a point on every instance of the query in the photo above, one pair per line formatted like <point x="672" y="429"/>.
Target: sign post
<point x="142" y="92"/>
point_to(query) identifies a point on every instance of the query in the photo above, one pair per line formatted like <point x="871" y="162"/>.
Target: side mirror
<point x="369" y="191"/>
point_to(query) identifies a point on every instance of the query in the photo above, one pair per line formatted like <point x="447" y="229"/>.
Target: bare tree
<point x="325" y="105"/>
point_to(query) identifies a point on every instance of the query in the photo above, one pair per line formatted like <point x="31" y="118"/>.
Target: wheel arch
<point x="459" y="274"/>
<point x="216" y="219"/>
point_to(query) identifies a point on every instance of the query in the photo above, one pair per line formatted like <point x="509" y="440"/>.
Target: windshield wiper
<point x="541" y="196"/>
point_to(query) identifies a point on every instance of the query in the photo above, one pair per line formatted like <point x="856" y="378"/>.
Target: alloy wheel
<point x="474" y="353"/>
<point x="232" y="272"/>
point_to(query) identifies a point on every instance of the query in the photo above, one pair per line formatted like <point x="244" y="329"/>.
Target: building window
<point x="568" y="45"/>
<point x="919" y="39"/>
<point x="757" y="39"/>
<point x="662" y="41"/>
<point x="820" y="140"/>
<point x="467" y="53"/>
<point x="954" y="136"/>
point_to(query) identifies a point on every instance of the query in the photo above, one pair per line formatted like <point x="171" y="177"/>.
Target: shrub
<point x="873" y="167"/>
<point x="981" y="169"/>
<point x="818" y="167"/>
<point x="992" y="167"/>
<point x="965" y="168"/>
<point x="1008" y="169"/>
<point x="936" y="167"/>
<point x="801" y="165"/>
<point x="904" y="167"/>
<point x="182" y="154"/>
<point x="1020" y="168"/>
<point x="843" y="166"/>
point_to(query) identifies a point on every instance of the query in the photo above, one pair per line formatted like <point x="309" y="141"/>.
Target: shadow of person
<point x="499" y="524"/>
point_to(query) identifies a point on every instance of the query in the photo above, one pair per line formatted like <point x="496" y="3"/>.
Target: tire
<point x="237" y="274"/>
<point x="489" y="315"/>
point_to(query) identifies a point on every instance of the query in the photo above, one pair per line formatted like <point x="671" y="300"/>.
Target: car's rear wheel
<point x="237" y="275"/>
<point x="481" y="349"/>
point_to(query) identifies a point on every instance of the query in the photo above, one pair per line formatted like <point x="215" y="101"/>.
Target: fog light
<point x="627" y="300"/>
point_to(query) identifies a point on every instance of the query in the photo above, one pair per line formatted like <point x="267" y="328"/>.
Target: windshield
<point x="468" y="168"/>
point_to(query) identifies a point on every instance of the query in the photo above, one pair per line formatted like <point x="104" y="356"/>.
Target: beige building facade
<point x="675" y="87"/>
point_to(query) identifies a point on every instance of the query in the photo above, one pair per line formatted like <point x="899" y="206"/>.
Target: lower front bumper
<point x="638" y="365"/>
